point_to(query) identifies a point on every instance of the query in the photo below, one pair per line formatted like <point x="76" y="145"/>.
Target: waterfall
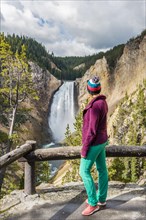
<point x="62" y="111"/>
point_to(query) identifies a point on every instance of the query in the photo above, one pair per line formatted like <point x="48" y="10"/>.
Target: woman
<point x="94" y="140"/>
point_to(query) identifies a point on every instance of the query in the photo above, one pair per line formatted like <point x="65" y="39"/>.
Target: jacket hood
<point x="99" y="97"/>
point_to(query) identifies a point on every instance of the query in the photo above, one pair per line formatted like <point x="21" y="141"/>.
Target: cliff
<point x="36" y="128"/>
<point x="81" y="66"/>
<point x="130" y="71"/>
<point x="127" y="124"/>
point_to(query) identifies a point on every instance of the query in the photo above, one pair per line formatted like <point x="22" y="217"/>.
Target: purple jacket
<point x="94" y="129"/>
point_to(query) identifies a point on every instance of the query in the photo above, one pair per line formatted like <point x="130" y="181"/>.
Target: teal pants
<point x="95" y="154"/>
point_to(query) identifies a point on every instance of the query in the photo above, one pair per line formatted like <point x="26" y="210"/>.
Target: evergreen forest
<point x="64" y="70"/>
<point x="64" y="67"/>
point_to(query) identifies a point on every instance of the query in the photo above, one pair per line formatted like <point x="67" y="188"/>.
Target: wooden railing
<point x="29" y="155"/>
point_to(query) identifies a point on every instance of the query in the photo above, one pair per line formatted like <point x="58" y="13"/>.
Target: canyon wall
<point x="129" y="72"/>
<point x="36" y="127"/>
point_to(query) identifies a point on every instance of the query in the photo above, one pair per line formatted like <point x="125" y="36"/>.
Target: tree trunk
<point x="2" y="175"/>
<point x="12" y="156"/>
<point x="13" y="121"/>
<point x="4" y="149"/>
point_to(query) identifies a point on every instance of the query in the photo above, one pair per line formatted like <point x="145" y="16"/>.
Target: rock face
<point x="53" y="66"/>
<point x="45" y="84"/>
<point x="127" y="124"/>
<point x="100" y="68"/>
<point x="129" y="72"/>
<point x="81" y="66"/>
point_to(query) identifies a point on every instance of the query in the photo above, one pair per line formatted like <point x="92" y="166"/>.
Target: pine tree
<point x="68" y="136"/>
<point x="135" y="169"/>
<point x="132" y="111"/>
<point x="16" y="85"/>
<point x="75" y="139"/>
<point x="116" y="168"/>
<point x="126" y="172"/>
<point x="43" y="171"/>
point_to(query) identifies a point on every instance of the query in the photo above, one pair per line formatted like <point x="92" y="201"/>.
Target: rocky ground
<point x="125" y="201"/>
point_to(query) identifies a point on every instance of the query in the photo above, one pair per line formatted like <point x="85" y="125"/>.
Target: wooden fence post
<point x="29" y="175"/>
<point x="29" y="179"/>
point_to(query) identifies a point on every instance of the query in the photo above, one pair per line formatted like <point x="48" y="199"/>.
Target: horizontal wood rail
<point x="14" y="155"/>
<point x="68" y="152"/>
<point x="29" y="155"/>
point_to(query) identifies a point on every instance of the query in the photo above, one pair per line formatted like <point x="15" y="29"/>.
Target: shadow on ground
<point x="126" y="206"/>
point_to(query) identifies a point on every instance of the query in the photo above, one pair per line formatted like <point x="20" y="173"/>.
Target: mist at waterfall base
<point x="62" y="112"/>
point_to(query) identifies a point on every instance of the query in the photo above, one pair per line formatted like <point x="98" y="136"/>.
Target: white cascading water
<point x="62" y="111"/>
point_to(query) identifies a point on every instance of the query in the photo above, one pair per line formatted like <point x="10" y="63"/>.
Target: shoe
<point x="101" y="204"/>
<point x="89" y="210"/>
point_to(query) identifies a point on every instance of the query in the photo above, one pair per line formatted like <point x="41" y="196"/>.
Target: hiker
<point x="94" y="140"/>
